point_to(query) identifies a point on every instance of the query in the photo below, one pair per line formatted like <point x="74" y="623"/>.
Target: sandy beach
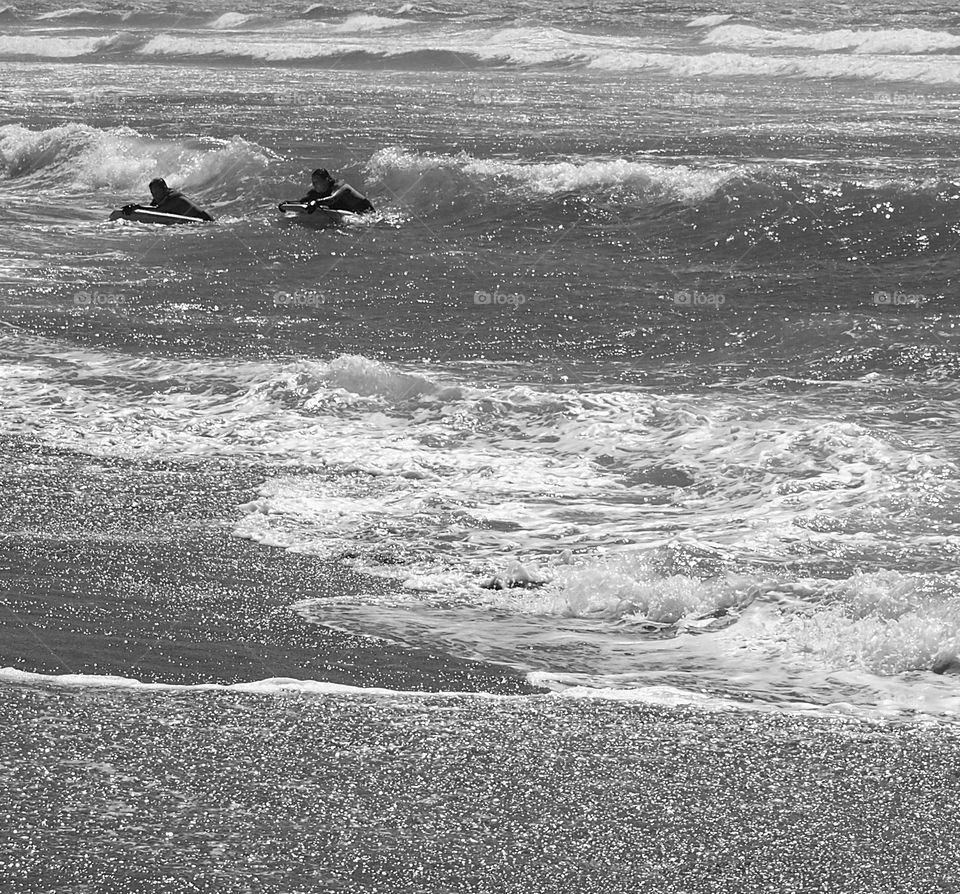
<point x="232" y="792"/>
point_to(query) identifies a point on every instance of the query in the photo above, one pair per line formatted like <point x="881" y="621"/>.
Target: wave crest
<point x="438" y="177"/>
<point x="232" y="20"/>
<point x="88" y="158"/>
<point x="369" y="378"/>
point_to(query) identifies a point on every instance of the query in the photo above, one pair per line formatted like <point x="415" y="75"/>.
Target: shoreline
<point x="120" y="567"/>
<point x="138" y="579"/>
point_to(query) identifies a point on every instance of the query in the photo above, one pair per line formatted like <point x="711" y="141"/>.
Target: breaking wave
<point x="430" y="176"/>
<point x="81" y="158"/>
<point x="374" y="41"/>
<point x="887" y="41"/>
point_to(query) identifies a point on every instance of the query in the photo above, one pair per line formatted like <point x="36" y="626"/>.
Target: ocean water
<point x="641" y="382"/>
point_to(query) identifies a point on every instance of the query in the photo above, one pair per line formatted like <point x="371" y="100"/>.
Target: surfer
<point x="168" y="201"/>
<point x="327" y="194"/>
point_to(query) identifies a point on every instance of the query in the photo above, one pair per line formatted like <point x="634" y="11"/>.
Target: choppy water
<point x="642" y="379"/>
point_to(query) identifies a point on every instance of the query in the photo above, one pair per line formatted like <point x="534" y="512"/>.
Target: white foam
<point x="359" y="375"/>
<point x="915" y="708"/>
<point x="51" y="47"/>
<point x="552" y="686"/>
<point x="883" y="622"/>
<point x="627" y="588"/>
<point x="619" y="511"/>
<point x="268" y="686"/>
<point x="892" y="41"/>
<point x="663" y="696"/>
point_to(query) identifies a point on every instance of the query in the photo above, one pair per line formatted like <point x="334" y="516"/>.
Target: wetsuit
<point x="177" y="203"/>
<point x="347" y="199"/>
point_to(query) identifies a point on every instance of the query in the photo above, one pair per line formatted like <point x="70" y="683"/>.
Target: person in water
<point x="169" y="201"/>
<point x="327" y="194"/>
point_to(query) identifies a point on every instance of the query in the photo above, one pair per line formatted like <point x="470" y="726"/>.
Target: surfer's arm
<point x="326" y="200"/>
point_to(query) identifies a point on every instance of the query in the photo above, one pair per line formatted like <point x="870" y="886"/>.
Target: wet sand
<point x="177" y="792"/>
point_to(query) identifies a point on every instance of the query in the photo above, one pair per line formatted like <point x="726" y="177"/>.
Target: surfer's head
<point x="159" y="189"/>
<point x="322" y="181"/>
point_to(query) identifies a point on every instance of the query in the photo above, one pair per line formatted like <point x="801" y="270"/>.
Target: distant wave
<point x="332" y="20"/>
<point x="425" y="175"/>
<point x="233" y="20"/>
<point x="889" y="41"/>
<point x="29" y="46"/>
<point x="360" y="23"/>
<point x="410" y="48"/>
<point x="79" y="157"/>
<point x="77" y="13"/>
<point x="821" y="67"/>
<point x="158" y="19"/>
<point x="371" y="41"/>
<point x="93" y="17"/>
<point x="299" y="51"/>
<point x="321" y="11"/>
<point x="709" y="21"/>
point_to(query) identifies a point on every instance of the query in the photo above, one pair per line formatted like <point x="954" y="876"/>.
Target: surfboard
<point x="144" y="215"/>
<point x="321" y="218"/>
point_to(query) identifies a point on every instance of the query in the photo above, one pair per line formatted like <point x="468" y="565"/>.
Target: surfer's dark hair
<point x="159" y="181"/>
<point x="322" y="172"/>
